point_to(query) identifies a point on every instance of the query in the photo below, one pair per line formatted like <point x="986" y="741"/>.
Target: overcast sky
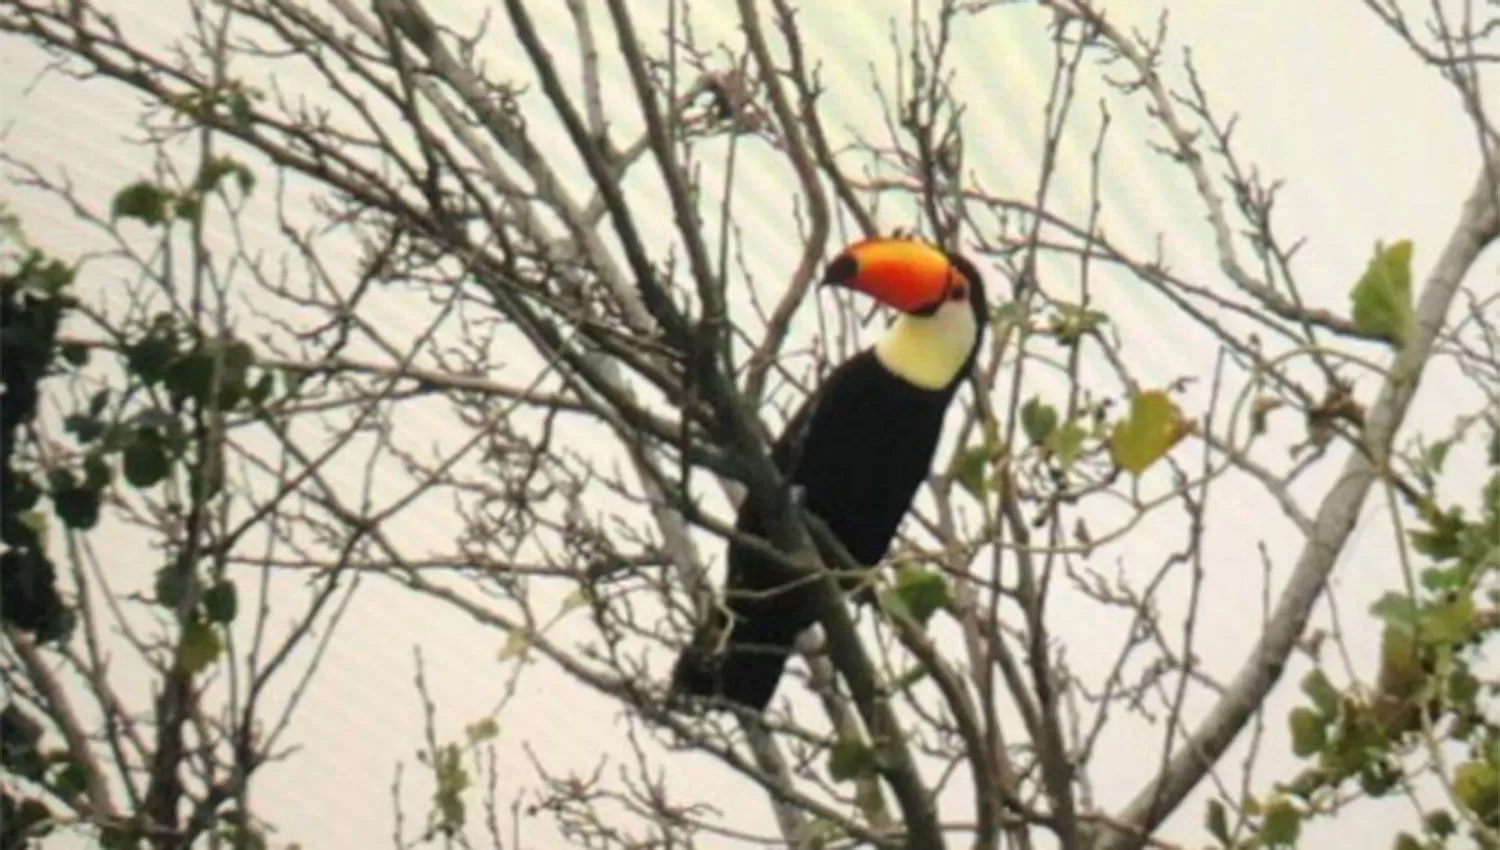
<point x="1372" y="145"/>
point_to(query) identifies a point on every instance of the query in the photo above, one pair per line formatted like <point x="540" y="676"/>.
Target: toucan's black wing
<point x="786" y="452"/>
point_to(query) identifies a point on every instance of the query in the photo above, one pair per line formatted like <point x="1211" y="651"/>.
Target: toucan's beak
<point x="910" y="276"/>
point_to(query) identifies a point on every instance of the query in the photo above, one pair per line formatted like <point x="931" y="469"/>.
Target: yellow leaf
<point x="1154" y="426"/>
<point x="575" y="600"/>
<point x="1382" y="298"/>
<point x="516" y="644"/>
<point x="200" y="646"/>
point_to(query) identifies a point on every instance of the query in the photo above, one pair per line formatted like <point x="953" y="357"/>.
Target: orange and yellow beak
<point x="905" y="274"/>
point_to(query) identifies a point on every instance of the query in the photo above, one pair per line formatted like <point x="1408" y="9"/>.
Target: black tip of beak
<point x="841" y="271"/>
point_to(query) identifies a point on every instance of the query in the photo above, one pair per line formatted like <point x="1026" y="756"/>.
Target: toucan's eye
<point x="958" y="286"/>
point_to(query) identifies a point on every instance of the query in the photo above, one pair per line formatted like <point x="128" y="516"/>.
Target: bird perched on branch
<point x="857" y="449"/>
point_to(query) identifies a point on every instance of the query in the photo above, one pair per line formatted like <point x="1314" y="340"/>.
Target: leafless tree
<point x="557" y="218"/>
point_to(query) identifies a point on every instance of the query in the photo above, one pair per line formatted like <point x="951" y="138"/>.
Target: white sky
<point x="1372" y="146"/>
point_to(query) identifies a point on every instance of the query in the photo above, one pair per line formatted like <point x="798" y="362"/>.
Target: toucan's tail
<point x="743" y="668"/>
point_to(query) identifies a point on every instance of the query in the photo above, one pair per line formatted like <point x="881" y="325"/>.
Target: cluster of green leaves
<point x="155" y="204"/>
<point x="1133" y="442"/>
<point x="1382" y="305"/>
<point x="34" y="289"/>
<point x="231" y="103"/>
<point x="186" y="371"/>
<point x="1431" y="693"/>
<point x="146" y="428"/>
<point x="453" y="767"/>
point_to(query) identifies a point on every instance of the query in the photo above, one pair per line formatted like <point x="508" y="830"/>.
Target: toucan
<point x="855" y="452"/>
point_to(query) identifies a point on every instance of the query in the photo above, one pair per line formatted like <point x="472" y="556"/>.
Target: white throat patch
<point x="928" y="351"/>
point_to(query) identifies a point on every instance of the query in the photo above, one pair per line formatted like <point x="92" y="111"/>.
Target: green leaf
<point x="452" y="781"/>
<point x="170" y="586"/>
<point x="121" y="836"/>
<point x="922" y="592"/>
<point x="1281" y="825"/>
<point x="1038" y="420"/>
<point x="243" y="836"/>
<point x="24" y="493"/>
<point x="1066" y="443"/>
<point x="212" y="173"/>
<point x="206" y="477"/>
<point x="150" y="356"/>
<point x="145" y="459"/>
<point x="141" y="200"/>
<point x="96" y="472"/>
<point x="292" y="384"/>
<point x="239" y="110"/>
<point x="85" y="429"/>
<point x="1477" y="786"/>
<point x="1323" y="695"/>
<point x="1406" y="841"/>
<point x="246" y="179"/>
<point x="191" y="376"/>
<point x="821" y="833"/>
<point x="1217" y="821"/>
<point x="1382" y="300"/>
<point x="10" y="226"/>
<point x="71" y="778"/>
<point x="1008" y="314"/>
<point x="1072" y="322"/>
<point x="1307" y="783"/>
<point x="261" y="390"/>
<point x="1401" y="675"/>
<point x="1440" y="579"/>
<point x="77" y="507"/>
<point x="73" y="354"/>
<point x="969" y="470"/>
<point x="1440" y="823"/>
<point x="36" y="521"/>
<point x="1435" y="457"/>
<point x="1309" y="733"/>
<point x="893" y="605"/>
<point x="1154" y="426"/>
<point x="1443" y="538"/>
<point x="1463" y="689"/>
<point x="188" y="207"/>
<point x="1377" y="777"/>
<point x="485" y="729"/>
<point x="1449" y="622"/>
<point x="201" y="646"/>
<point x="1396" y="609"/>
<point x="850" y="759"/>
<point x="905" y="681"/>
<point x="61" y="478"/>
<point x="221" y="602"/>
